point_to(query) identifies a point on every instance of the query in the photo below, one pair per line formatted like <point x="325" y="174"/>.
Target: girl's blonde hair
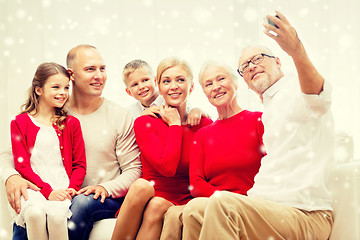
<point x="172" y="62"/>
<point x="43" y="72"/>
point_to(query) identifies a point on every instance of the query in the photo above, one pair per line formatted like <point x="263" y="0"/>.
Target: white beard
<point x="260" y="85"/>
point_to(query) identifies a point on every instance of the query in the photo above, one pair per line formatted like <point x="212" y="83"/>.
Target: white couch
<point x="344" y="183"/>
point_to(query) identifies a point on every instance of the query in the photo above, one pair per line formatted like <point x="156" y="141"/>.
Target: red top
<point x="226" y="155"/>
<point x="165" y="154"/>
<point x="23" y="136"/>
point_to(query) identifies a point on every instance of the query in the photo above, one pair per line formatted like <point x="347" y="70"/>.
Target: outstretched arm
<point x="311" y="82"/>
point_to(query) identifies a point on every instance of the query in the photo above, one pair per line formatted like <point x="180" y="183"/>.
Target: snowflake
<point x="21" y="13"/>
<point x="6" y="53"/>
<point x="148" y="3"/>
<point x="346" y="185"/>
<point x="71" y="225"/>
<point x="101" y="173"/>
<point x="262" y="149"/>
<point x="304" y="12"/>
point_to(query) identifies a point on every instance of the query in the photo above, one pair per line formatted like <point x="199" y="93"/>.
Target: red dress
<point x="227" y="155"/>
<point x="165" y="154"/>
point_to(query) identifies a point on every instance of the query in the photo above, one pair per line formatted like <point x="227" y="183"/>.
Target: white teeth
<point x="143" y="93"/>
<point x="219" y="95"/>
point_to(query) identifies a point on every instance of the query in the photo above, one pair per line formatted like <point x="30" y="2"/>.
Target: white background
<point x="34" y="31"/>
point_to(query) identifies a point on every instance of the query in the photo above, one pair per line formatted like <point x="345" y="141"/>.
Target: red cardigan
<point x="23" y="136"/>
<point x="165" y="154"/>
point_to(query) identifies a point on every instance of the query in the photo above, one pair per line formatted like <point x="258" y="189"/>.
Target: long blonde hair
<point x="43" y="72"/>
<point x="172" y="62"/>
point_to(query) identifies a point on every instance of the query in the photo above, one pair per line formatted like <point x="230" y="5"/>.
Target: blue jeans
<point x="86" y="210"/>
<point x="19" y="233"/>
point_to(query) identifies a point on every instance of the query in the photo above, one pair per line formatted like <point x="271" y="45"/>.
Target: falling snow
<point x="213" y="32"/>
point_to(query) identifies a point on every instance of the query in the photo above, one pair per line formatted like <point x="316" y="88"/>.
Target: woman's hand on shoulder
<point x="170" y="115"/>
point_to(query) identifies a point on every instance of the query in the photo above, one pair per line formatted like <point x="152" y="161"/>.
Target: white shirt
<point x="46" y="160"/>
<point x="299" y="141"/>
<point x="137" y="108"/>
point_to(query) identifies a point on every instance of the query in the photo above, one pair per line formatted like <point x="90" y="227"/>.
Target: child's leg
<point x="57" y="227"/>
<point x="35" y="220"/>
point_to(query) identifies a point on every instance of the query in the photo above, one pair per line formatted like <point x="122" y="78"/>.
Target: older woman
<point x="226" y="155"/>
<point x="165" y="151"/>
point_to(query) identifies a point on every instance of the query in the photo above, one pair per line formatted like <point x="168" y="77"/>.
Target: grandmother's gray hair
<point x="230" y="70"/>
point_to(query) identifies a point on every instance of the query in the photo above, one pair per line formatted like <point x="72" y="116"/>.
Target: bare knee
<point x="140" y="192"/>
<point x="156" y="209"/>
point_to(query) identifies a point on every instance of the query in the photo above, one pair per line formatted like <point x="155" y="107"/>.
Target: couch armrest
<point x="103" y="229"/>
<point x="344" y="184"/>
<point x="5" y="220"/>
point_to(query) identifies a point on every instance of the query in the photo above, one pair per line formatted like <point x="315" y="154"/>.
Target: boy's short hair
<point x="130" y="67"/>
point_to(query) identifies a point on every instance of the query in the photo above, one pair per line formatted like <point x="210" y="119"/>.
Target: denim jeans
<point x="86" y="210"/>
<point x="19" y="233"/>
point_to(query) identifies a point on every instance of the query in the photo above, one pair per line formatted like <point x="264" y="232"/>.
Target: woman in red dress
<point x="165" y="144"/>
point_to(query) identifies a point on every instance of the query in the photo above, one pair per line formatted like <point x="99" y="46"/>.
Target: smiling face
<point x="88" y="72"/>
<point x="175" y="86"/>
<point x="140" y="85"/>
<point x="54" y="92"/>
<point x="263" y="75"/>
<point x="219" y="86"/>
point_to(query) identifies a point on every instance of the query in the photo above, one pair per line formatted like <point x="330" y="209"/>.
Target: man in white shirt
<point x="289" y="199"/>
<point x="112" y="155"/>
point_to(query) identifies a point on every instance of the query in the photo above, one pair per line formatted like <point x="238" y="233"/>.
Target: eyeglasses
<point x="254" y="60"/>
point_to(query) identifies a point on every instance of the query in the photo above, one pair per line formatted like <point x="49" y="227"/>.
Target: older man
<point x="289" y="199"/>
<point x="112" y="154"/>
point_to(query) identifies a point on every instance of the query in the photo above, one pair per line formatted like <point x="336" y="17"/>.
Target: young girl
<point x="48" y="150"/>
<point x="165" y="150"/>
